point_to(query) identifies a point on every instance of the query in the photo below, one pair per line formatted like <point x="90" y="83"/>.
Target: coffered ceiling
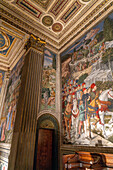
<point x="58" y="22"/>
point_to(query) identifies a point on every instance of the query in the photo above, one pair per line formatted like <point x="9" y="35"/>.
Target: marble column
<point x="24" y="135"/>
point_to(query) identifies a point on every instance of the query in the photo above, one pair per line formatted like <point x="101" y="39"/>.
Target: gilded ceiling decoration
<point x="43" y="3"/>
<point x="58" y="6"/>
<point x="29" y="8"/>
<point x="47" y="20"/>
<point x="58" y="22"/>
<point x="6" y="43"/>
<point x="72" y="10"/>
<point x="57" y="27"/>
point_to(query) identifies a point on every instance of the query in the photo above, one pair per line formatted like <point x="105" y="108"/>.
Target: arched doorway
<point x="47" y="127"/>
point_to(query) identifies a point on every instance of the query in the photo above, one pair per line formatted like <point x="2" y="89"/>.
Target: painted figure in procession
<point x="9" y="108"/>
<point x="87" y="74"/>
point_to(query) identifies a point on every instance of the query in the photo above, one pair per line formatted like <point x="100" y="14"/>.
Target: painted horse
<point x="105" y="103"/>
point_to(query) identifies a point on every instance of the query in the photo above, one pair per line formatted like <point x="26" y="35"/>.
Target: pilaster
<point x="23" y="142"/>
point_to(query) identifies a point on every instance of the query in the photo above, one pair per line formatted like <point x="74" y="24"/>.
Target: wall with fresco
<point x="2" y="73"/>
<point x="9" y="108"/>
<point x="87" y="88"/>
<point x="48" y="81"/>
<point x="3" y="166"/>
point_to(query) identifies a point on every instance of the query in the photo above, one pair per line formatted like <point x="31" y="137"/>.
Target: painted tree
<point x="108" y="56"/>
<point x="108" y="29"/>
<point x="99" y="36"/>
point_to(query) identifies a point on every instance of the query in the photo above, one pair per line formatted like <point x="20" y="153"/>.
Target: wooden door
<point x="44" y="153"/>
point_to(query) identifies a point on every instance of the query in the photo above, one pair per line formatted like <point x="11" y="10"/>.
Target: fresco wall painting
<point x="48" y="81"/>
<point x="2" y="73"/>
<point x="9" y="108"/>
<point x="87" y="88"/>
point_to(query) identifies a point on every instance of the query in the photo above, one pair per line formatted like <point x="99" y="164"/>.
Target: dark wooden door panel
<point x="44" y="153"/>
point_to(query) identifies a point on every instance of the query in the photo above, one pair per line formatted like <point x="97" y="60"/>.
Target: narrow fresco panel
<point x="87" y="88"/>
<point x="48" y="81"/>
<point x="1" y="79"/>
<point x="9" y="108"/>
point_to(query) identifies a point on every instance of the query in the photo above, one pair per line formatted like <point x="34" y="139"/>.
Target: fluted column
<point x="23" y="143"/>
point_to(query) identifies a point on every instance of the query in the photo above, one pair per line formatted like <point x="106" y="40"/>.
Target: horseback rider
<point x="95" y="99"/>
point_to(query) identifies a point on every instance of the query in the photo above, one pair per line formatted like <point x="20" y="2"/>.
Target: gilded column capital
<point x="35" y="42"/>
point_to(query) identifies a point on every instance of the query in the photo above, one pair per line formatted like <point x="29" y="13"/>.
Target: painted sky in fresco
<point x="48" y="58"/>
<point x="98" y="28"/>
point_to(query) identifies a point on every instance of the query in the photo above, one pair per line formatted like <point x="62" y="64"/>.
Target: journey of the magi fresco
<point x="10" y="105"/>
<point x="48" y="81"/>
<point x="87" y="88"/>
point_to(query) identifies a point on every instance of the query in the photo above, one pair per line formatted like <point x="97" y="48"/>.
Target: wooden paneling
<point x="44" y="153"/>
<point x="87" y="160"/>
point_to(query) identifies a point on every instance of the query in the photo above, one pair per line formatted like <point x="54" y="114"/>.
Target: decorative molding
<point x="85" y="26"/>
<point x="72" y="10"/>
<point x="43" y="3"/>
<point x="47" y="20"/>
<point x="35" y="42"/>
<point x="59" y="44"/>
<point x="25" y="27"/>
<point x="57" y="27"/>
<point x="28" y="7"/>
<point x="58" y="6"/>
<point x="78" y="17"/>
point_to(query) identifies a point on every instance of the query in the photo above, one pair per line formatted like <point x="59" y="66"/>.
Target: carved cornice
<point x="25" y="27"/>
<point x="92" y="17"/>
<point x="35" y="42"/>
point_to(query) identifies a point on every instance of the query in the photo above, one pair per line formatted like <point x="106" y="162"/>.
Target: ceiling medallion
<point x="57" y="27"/>
<point x="47" y="20"/>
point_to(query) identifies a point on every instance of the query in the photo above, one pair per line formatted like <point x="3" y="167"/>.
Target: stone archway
<point x="48" y="121"/>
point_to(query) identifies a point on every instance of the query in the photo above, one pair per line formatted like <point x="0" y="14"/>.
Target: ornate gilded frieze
<point x="35" y="42"/>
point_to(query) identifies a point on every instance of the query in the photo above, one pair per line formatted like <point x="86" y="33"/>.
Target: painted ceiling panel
<point x="43" y="3"/>
<point x="58" y="22"/>
<point x="72" y="10"/>
<point x="29" y="8"/>
<point x="58" y="6"/>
